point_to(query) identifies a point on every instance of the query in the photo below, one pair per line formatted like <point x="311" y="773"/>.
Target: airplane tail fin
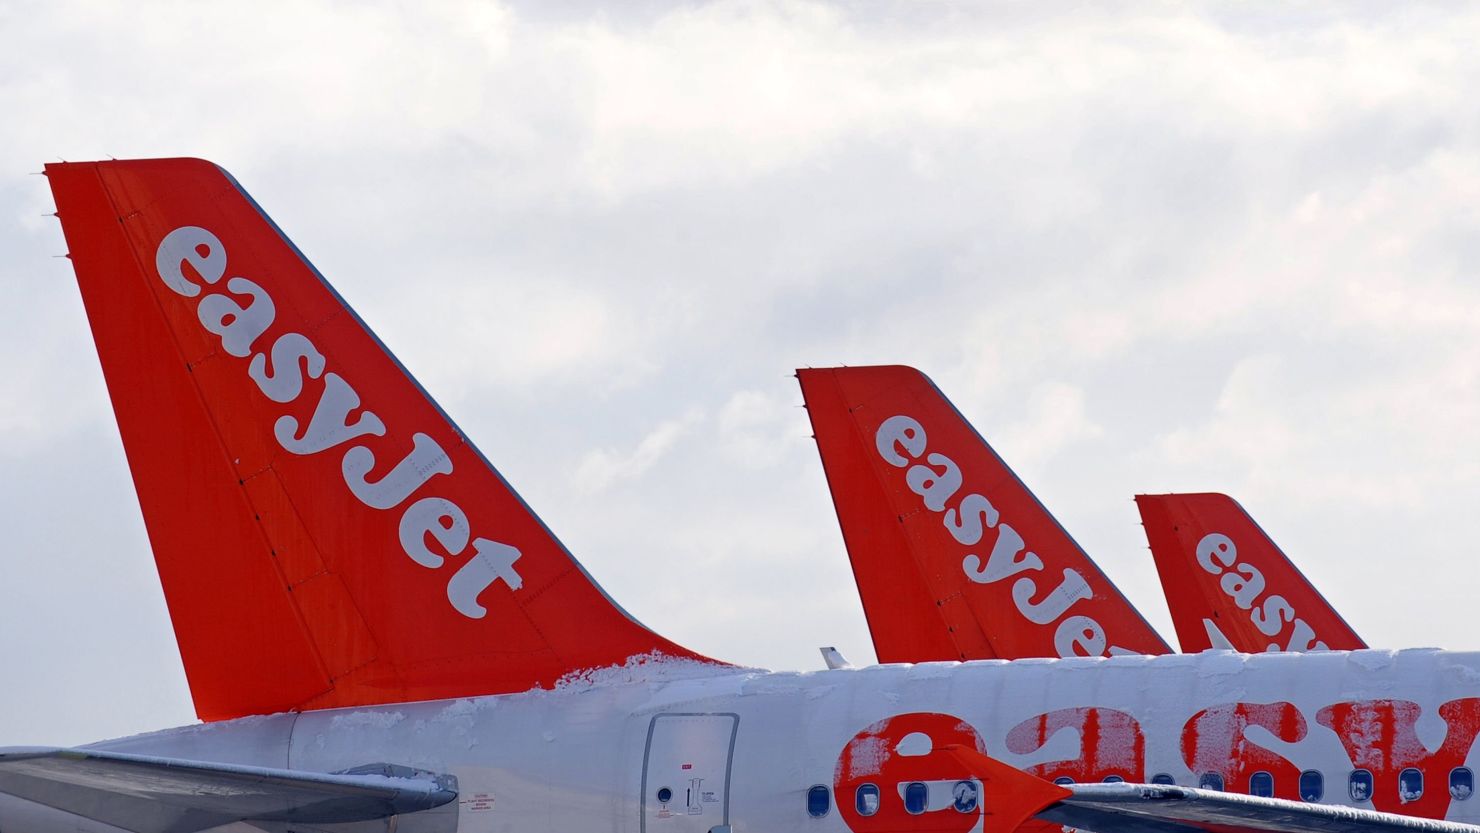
<point x="1229" y="586"/>
<point x="324" y="533"/>
<point x="954" y="557"/>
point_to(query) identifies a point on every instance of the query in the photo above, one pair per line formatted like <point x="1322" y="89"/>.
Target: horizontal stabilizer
<point x="166" y="795"/>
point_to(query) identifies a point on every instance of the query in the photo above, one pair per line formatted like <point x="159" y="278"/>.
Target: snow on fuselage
<point x="748" y="747"/>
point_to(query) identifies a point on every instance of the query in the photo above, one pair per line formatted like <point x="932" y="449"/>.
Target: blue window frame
<point x="1261" y="784"/>
<point x="819" y="801"/>
<point x="965" y="795"/>
<point x="1114" y="779"/>
<point x="1312" y="786"/>
<point x="1359" y="785"/>
<point x="1163" y="778"/>
<point x="916" y="796"/>
<point x="1461" y="783"/>
<point x="1210" y="781"/>
<point x="1410" y="784"/>
<point x="866" y="799"/>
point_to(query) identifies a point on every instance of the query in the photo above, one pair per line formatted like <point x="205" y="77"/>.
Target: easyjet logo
<point x="1220" y="745"/>
<point x="281" y="371"/>
<point x="936" y="478"/>
<point x="1244" y="584"/>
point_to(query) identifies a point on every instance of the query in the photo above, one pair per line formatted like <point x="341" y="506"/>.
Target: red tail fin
<point x="1229" y="586"/>
<point x="325" y="535"/>
<point x="954" y="557"/>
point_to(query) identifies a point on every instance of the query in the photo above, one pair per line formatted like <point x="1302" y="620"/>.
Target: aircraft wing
<point x="168" y="795"/>
<point x="1011" y="796"/>
<point x="1122" y="808"/>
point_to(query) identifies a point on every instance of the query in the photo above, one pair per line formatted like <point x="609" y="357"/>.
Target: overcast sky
<point x="1144" y="248"/>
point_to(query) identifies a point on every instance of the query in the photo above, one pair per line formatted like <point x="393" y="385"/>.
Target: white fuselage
<point x="745" y="747"/>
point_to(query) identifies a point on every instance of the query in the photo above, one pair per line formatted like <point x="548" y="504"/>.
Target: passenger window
<point x="866" y="798"/>
<point x="1461" y="783"/>
<point x="1410" y="784"/>
<point x="1360" y="785"/>
<point x="819" y="801"/>
<point x="1210" y="781"/>
<point x="916" y="795"/>
<point x="964" y="796"/>
<point x="1312" y="786"/>
<point x="1261" y="784"/>
<point x="1114" y="779"/>
<point x="1163" y="778"/>
<point x="1063" y="780"/>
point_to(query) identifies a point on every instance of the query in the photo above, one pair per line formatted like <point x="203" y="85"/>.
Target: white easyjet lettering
<point x="191" y="257"/>
<point x="1244" y="584"/>
<point x="1003" y="562"/>
<point x="976" y="513"/>
<point x="936" y="487"/>
<point x="491" y="562"/>
<point x="195" y="246"/>
<point x="1302" y="638"/>
<point x="425" y="460"/>
<point x="1058" y="601"/>
<point x="900" y="432"/>
<point x="1080" y="636"/>
<point x="901" y="441"/>
<point x="440" y="518"/>
<point x="329" y="426"/>
<point x="1216" y="552"/>
<point x="237" y="326"/>
<point x="1271" y="617"/>
<point x="283" y="381"/>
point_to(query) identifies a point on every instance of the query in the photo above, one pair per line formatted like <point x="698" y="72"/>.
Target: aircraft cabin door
<point x="686" y="773"/>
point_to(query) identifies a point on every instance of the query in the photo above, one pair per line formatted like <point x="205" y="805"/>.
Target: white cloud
<point x="1198" y="247"/>
<point x="1056" y="418"/>
<point x="601" y="469"/>
<point x="757" y="429"/>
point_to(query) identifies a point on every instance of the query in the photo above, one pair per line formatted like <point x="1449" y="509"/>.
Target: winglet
<point x="1009" y="795"/>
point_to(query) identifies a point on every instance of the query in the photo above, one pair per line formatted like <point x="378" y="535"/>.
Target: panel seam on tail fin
<point x="324" y="570"/>
<point x="856" y="431"/>
<point x="158" y="307"/>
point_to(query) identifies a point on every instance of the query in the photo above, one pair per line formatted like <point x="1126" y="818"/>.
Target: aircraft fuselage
<point x="674" y="748"/>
